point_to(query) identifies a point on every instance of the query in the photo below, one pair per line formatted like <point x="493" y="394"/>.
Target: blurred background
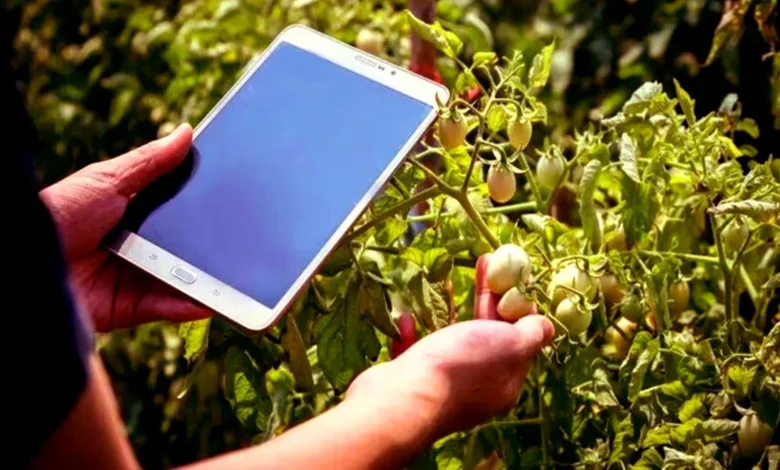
<point x="102" y="76"/>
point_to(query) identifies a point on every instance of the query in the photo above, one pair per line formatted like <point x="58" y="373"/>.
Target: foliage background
<point x="103" y="76"/>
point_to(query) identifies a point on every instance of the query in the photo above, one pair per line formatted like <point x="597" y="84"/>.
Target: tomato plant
<point x="646" y="228"/>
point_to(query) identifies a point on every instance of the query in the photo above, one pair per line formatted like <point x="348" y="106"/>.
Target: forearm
<point x="354" y="435"/>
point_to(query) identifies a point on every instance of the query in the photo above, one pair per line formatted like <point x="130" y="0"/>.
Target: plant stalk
<point x="403" y="206"/>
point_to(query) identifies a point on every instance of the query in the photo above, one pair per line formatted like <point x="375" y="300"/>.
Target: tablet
<point x="279" y="170"/>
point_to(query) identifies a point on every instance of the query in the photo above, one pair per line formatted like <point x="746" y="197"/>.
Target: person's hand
<point x="461" y="375"/>
<point x="86" y="206"/>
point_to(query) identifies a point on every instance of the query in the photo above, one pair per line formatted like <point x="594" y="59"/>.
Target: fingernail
<point x="549" y="330"/>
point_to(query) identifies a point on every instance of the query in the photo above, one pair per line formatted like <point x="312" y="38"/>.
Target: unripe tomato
<point x="501" y="183"/>
<point x="514" y="305"/>
<point x="632" y="307"/>
<point x="612" y="290"/>
<point x="370" y="41"/>
<point x="549" y="171"/>
<point x="576" y="322"/>
<point x="617" y="240"/>
<point x="572" y="277"/>
<point x="619" y="344"/>
<point x="452" y="132"/>
<point x="735" y="234"/>
<point x="508" y="266"/>
<point x="754" y="435"/>
<point x="519" y="131"/>
<point x="408" y="331"/>
<point x="679" y="298"/>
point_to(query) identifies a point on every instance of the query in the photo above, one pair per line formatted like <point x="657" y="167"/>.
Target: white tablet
<point x="279" y="170"/>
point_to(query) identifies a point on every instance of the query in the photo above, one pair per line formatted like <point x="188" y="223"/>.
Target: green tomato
<point x="617" y="342"/>
<point x="576" y="322"/>
<point x="632" y="307"/>
<point x="514" y="305"/>
<point x="508" y="266"/>
<point x="617" y="240"/>
<point x="679" y="298"/>
<point x="370" y="41"/>
<point x="611" y="288"/>
<point x="754" y="435"/>
<point x="572" y="277"/>
<point x="501" y="182"/>
<point x="452" y="132"/>
<point x="549" y="171"/>
<point x="519" y="131"/>
<point x="735" y="234"/>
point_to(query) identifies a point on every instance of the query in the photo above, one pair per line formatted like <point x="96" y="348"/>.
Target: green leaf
<point x="640" y="344"/>
<point x="337" y="261"/>
<point x="373" y="303"/>
<point x="624" y="445"/>
<point x="602" y="388"/>
<point x="643" y="363"/>
<point x="675" y="459"/>
<point x="540" y="67"/>
<point x="718" y="429"/>
<point x="390" y="230"/>
<point x="445" y="41"/>
<point x="590" y="222"/>
<point x="741" y="378"/>
<point x="345" y="341"/>
<point x="749" y="126"/>
<point x="245" y="389"/>
<point x="430" y="307"/>
<point x="640" y="100"/>
<point x="292" y="341"/>
<point x="628" y="157"/>
<point x="731" y="25"/>
<point x="692" y="408"/>
<point x="651" y="460"/>
<point x="641" y="208"/>
<point x="686" y="103"/>
<point x="759" y="210"/>
<point x="496" y="118"/>
<point x="438" y="264"/>
<point x="769" y="354"/>
<point x="484" y="58"/>
<point x="688" y="431"/>
<point x="196" y="338"/>
<point x="659" y="436"/>
<point x="465" y="81"/>
<point x="120" y="106"/>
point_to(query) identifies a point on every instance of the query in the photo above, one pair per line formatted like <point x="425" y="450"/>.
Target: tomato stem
<point x="724" y="267"/>
<point x="520" y="207"/>
<point x="403" y="206"/>
<point x="531" y="179"/>
<point x="682" y="256"/>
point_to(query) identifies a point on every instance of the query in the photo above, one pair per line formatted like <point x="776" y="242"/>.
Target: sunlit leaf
<point x="686" y="103"/>
<point x="196" y="338"/>
<point x="540" y="67"/>
<point x="628" y="156"/>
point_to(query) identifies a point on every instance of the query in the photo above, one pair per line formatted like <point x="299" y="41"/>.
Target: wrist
<point x="406" y="404"/>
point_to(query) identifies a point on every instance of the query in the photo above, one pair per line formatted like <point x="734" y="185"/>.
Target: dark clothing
<point x="47" y="343"/>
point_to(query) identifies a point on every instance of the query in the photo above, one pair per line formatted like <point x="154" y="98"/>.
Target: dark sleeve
<point x="46" y="344"/>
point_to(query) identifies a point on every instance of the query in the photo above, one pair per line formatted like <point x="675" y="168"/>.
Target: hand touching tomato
<point x="463" y="374"/>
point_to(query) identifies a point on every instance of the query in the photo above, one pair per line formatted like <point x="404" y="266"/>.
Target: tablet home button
<point x="184" y="275"/>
